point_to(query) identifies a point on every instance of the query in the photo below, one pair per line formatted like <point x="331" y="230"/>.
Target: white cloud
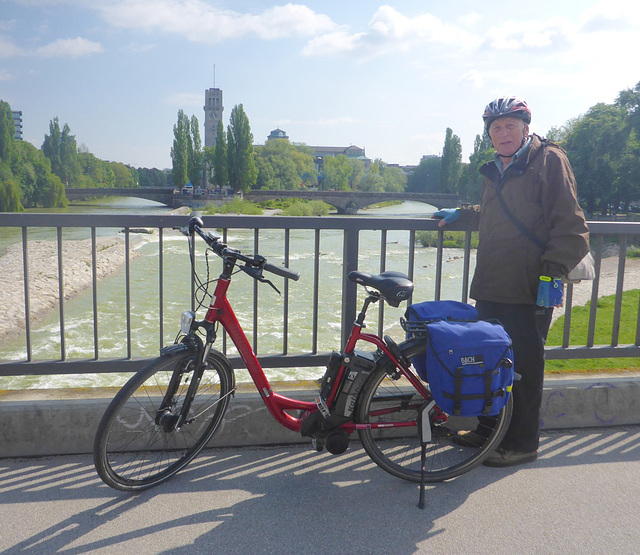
<point x="389" y="30"/>
<point x="200" y="22"/>
<point x="555" y="34"/>
<point x="472" y="78"/>
<point x="611" y="15"/>
<point x="69" y="48"/>
<point x="8" y="49"/>
<point x="5" y="76"/>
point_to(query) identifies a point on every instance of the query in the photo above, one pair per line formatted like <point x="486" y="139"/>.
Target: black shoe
<point x="469" y="438"/>
<point x="506" y="457"/>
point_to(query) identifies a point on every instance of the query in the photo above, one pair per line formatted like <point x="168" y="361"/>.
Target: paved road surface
<point x="582" y="496"/>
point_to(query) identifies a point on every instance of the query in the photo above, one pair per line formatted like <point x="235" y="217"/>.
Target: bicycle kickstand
<point x="424" y="429"/>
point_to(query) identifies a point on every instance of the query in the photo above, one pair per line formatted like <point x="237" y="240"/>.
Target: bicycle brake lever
<point x="256" y="273"/>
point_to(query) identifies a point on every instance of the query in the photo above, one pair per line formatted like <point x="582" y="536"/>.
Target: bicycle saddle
<point x="394" y="287"/>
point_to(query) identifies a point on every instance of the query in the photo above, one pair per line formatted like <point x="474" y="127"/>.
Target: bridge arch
<point x="349" y="202"/>
<point x="163" y="195"/>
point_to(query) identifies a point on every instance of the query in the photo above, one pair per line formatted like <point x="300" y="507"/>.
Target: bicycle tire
<point x="131" y="451"/>
<point x="398" y="450"/>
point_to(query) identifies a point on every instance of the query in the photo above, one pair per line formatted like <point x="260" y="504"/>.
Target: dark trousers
<point x="527" y="325"/>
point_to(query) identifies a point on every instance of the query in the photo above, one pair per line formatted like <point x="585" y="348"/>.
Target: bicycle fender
<point x="176" y="349"/>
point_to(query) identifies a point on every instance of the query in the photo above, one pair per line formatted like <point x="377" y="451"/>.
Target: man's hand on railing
<point x="446" y="216"/>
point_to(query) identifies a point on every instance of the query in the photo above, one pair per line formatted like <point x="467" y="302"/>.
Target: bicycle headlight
<point x="187" y="318"/>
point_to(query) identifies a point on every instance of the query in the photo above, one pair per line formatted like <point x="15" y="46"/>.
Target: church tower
<point x="212" y="115"/>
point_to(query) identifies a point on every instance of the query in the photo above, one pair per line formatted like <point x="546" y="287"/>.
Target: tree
<point x="594" y="147"/>
<point x="152" y="177"/>
<point x="356" y="174"/>
<point x="305" y="166"/>
<point x="240" y="156"/>
<point x="180" y="150"/>
<point x="451" y="165"/>
<point x="9" y="190"/>
<point x="220" y="161"/>
<point x="7" y="131"/>
<point x="195" y="159"/>
<point x="425" y="177"/>
<point x="381" y="177"/>
<point x="61" y="149"/>
<point x="276" y="166"/>
<point x="395" y="181"/>
<point x="626" y="183"/>
<point x="470" y="184"/>
<point x="337" y="172"/>
<point x="284" y="166"/>
<point x="372" y="181"/>
<point x="629" y="101"/>
<point x="124" y="177"/>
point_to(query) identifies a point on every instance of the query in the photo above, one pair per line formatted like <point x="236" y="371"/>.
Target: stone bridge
<point x="346" y="202"/>
<point x="163" y="195"/>
<point x="349" y="202"/>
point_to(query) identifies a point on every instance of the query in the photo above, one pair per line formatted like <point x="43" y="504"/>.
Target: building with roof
<point x="17" y="123"/>
<point x="277" y="134"/>
<point x="319" y="153"/>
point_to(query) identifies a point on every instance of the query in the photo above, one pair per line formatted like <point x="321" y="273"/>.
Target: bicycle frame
<point x="220" y="311"/>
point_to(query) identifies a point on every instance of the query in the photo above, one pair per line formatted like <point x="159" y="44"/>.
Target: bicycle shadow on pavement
<point x="281" y="500"/>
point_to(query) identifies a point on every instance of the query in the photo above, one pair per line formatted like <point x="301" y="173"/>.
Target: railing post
<point x="350" y="249"/>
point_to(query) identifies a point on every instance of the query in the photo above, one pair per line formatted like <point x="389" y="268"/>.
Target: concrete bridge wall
<point x="65" y="422"/>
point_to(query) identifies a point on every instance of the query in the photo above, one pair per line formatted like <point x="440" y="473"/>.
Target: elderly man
<point x="532" y="232"/>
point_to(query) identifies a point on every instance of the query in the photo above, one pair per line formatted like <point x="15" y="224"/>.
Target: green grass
<point x="604" y="322"/>
<point x="302" y="207"/>
<point x="235" y="206"/>
<point x="451" y="239"/>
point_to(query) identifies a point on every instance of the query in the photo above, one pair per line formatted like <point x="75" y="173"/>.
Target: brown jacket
<point x="540" y="191"/>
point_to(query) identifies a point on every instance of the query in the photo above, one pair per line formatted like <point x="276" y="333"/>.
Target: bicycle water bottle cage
<point x="394" y="287"/>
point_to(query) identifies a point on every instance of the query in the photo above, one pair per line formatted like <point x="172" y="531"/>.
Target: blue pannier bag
<point x="468" y="362"/>
<point x="440" y="310"/>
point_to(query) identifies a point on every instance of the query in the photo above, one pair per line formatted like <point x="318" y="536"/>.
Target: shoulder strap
<point x="523" y="228"/>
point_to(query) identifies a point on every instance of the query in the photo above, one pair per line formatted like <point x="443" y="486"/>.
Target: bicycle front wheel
<point x="136" y="447"/>
<point x="397" y="448"/>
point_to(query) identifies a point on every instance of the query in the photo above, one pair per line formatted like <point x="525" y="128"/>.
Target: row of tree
<point x="32" y="177"/>
<point x="26" y="178"/>
<point x="603" y="146"/>
<point x="277" y="165"/>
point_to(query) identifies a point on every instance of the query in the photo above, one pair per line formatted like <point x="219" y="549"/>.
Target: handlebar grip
<point x="195" y="220"/>
<point x="284" y="272"/>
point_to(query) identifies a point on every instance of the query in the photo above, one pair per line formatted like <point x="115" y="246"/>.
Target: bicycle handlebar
<point x="222" y="250"/>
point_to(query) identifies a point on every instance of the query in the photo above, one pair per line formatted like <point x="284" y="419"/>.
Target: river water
<point x="145" y="332"/>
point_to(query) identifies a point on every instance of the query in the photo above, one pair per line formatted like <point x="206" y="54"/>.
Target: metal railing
<point x="351" y="230"/>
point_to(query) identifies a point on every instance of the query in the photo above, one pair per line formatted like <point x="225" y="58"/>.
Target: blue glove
<point x="549" y="292"/>
<point x="447" y="214"/>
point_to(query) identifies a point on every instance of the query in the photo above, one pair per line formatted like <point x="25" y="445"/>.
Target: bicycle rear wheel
<point x="135" y="448"/>
<point x="398" y="450"/>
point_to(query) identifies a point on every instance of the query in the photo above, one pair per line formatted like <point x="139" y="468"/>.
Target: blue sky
<point x="387" y="77"/>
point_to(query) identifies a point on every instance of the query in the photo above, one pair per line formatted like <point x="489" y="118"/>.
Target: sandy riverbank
<point x="44" y="293"/>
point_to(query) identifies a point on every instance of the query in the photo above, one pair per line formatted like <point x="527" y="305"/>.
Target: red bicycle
<point x="169" y="410"/>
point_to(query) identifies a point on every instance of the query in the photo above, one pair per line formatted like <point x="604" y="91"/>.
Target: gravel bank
<point x="43" y="276"/>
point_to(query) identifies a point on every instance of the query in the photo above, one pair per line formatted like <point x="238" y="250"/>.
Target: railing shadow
<point x="282" y="500"/>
